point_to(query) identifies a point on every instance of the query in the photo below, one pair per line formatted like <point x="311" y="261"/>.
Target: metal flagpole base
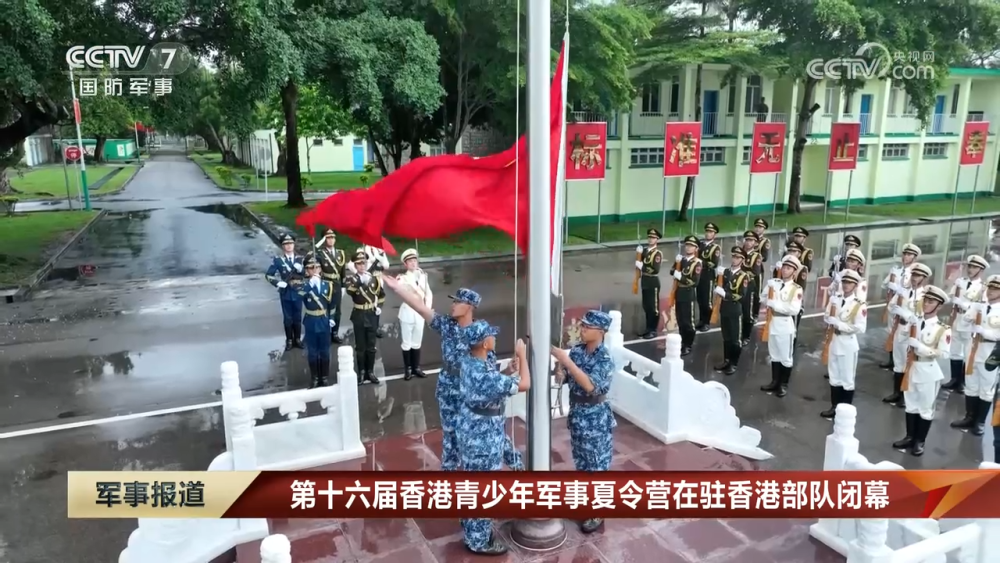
<point x="538" y="535"/>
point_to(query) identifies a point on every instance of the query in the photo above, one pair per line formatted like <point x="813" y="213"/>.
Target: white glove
<point x="378" y="311"/>
<point x="915" y="343"/>
<point x="770" y="304"/>
<point x="677" y="275"/>
<point x="775" y="283"/>
<point x="314" y="281"/>
<point x="836" y="258"/>
<point x="720" y="292"/>
<point x="343" y="292"/>
<point x="638" y="265"/>
<point x="366" y="277"/>
<point x="830" y="320"/>
<point x="282" y="285"/>
<point x="961" y="303"/>
<point x="678" y="258"/>
<point x="979" y="329"/>
<point x="298" y="267"/>
<point x="333" y="323"/>
<point x="638" y="248"/>
<point x="721" y="270"/>
<point x="895" y="287"/>
<point x="906" y="315"/>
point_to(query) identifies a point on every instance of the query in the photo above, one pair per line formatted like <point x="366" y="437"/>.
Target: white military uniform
<point x="908" y="306"/>
<point x="983" y="383"/>
<point x="901" y="275"/>
<point x="851" y="314"/>
<point x="966" y="295"/>
<point x="836" y="292"/>
<point x="411" y="324"/>
<point x="786" y="305"/>
<point x="933" y="342"/>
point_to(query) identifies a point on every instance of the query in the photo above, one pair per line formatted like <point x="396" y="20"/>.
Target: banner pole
<point x="774" y="200"/>
<point x="693" y="208"/>
<point x="954" y="197"/>
<point x="599" y="186"/>
<point x="69" y="198"/>
<point x="847" y="208"/>
<point x="663" y="226"/>
<point x="565" y="210"/>
<point x="826" y="198"/>
<point x="746" y="222"/>
<point x="975" y="187"/>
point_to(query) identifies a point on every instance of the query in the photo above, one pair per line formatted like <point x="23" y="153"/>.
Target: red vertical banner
<point x="682" y="149"/>
<point x="76" y="110"/>
<point x="844" y="142"/>
<point x="767" y="148"/>
<point x="586" y="151"/>
<point x="974" y="143"/>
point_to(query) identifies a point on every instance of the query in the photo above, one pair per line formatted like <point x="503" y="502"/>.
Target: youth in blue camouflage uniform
<point x="453" y="349"/>
<point x="317" y="296"/>
<point x="286" y="274"/>
<point x="588" y="368"/>
<point x="481" y="433"/>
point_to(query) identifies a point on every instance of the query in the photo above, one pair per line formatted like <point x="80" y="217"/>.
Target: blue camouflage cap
<point x="464" y="295"/>
<point x="479" y="331"/>
<point x="597" y="319"/>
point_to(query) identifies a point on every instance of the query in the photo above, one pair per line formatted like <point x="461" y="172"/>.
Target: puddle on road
<point x="235" y="213"/>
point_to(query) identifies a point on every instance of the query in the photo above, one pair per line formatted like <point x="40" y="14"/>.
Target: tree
<point x="320" y="116"/>
<point x="103" y="116"/>
<point x="832" y="29"/>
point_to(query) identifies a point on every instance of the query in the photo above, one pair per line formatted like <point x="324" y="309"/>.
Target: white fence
<point x="880" y="540"/>
<point x="275" y="549"/>
<point x="292" y="444"/>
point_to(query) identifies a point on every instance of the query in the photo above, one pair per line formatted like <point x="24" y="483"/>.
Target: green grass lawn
<point x="47" y="182"/>
<point x="27" y="240"/>
<point x="941" y="208"/>
<point x="314" y="182"/>
<point x="480" y="241"/>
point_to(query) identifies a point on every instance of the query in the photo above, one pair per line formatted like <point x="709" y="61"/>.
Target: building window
<point x="893" y="101"/>
<point x="435" y="150"/>
<point x="883" y="250"/>
<point x="746" y="155"/>
<point x="651" y="98"/>
<point x="647" y="156"/>
<point x="317" y="142"/>
<point x="338" y="142"/>
<point x="910" y="108"/>
<point x="935" y="150"/>
<point x="863" y="152"/>
<point x="927" y="245"/>
<point x="959" y="241"/>
<point x="954" y="99"/>
<point x="754" y="92"/>
<point x="358" y="142"/>
<point x="828" y="99"/>
<point x="713" y="155"/>
<point x="675" y="96"/>
<point x="895" y="150"/>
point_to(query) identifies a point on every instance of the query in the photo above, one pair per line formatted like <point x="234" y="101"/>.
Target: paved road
<point x="120" y="370"/>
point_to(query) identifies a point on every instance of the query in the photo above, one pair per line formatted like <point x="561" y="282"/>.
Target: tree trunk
<point x="99" y="148"/>
<point x="451" y="145"/>
<point x="289" y="105"/>
<point x="282" y="161"/>
<point x="309" y="148"/>
<point x="805" y="115"/>
<point x="378" y="152"/>
<point x="689" y="184"/>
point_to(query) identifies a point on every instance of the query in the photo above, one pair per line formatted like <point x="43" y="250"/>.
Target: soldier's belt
<point x="331" y="277"/>
<point x="486" y="411"/>
<point x="780" y="315"/>
<point x="924" y="360"/>
<point x="316" y="313"/>
<point x="689" y="286"/>
<point x="370" y="307"/>
<point x="651" y="275"/>
<point x="586" y="399"/>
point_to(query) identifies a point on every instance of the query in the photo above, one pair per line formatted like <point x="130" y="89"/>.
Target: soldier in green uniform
<point x="733" y="291"/>
<point x="368" y="295"/>
<point x="333" y="263"/>
<point x="753" y="265"/>
<point x="648" y="265"/>
<point x="760" y="227"/>
<point x="799" y="236"/>
<point x="686" y="276"/>
<point x="710" y="253"/>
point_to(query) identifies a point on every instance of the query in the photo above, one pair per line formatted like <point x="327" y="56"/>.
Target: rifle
<point x="885" y="310"/>
<point x="895" y="327"/>
<point x="765" y="331"/>
<point x="911" y="356"/>
<point x="673" y="290"/>
<point x="976" y="339"/>
<point x="954" y="307"/>
<point x="638" y="274"/>
<point x="717" y="305"/>
<point x="829" y="338"/>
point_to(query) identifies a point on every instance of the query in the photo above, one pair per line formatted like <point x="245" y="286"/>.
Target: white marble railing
<point x="880" y="540"/>
<point x="275" y="549"/>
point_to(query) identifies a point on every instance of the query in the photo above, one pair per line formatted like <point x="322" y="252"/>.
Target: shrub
<point x="306" y="181"/>
<point x="365" y="178"/>
<point x="225" y="174"/>
<point x="7" y="204"/>
<point x="369" y="167"/>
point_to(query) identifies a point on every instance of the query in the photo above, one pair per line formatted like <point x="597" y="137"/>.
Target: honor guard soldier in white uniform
<point x="853" y="260"/>
<point x="411" y="323"/>
<point x="333" y="262"/>
<point x="846" y="319"/>
<point x="923" y="374"/>
<point x="839" y="262"/>
<point x="898" y="277"/>
<point x="905" y="310"/>
<point x="967" y="292"/>
<point x="783" y="299"/>
<point x="980" y="385"/>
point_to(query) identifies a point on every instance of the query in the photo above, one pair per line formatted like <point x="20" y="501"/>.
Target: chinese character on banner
<point x="112" y="86"/>
<point x="88" y="87"/>
<point x="162" y="86"/>
<point x="138" y="86"/>
<point x="973" y="143"/>
<point x="844" y="139"/>
<point x="767" y="151"/>
<point x="682" y="149"/>
<point x="585" y="151"/>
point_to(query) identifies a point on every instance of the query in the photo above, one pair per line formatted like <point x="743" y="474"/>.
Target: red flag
<point x="436" y="197"/>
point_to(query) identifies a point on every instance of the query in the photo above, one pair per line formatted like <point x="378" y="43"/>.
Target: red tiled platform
<point x="621" y="541"/>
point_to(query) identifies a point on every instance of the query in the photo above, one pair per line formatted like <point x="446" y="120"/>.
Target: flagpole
<point x="547" y="534"/>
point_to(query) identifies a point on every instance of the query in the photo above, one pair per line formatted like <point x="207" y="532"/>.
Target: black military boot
<point x="888" y="364"/>
<point x="415" y="357"/>
<point x="591" y="525"/>
<point x="897" y="393"/>
<point x="957" y="381"/>
<point x="288" y="338"/>
<point x="966" y="422"/>
<point x="847" y="397"/>
<point x="297" y="336"/>
<point x="923" y="427"/>
<point x="359" y="358"/>
<point x="726" y="361"/>
<point x="324" y="371"/>
<point x="982" y="410"/>
<point x="911" y="432"/>
<point x="734" y="358"/>
<point x="407" y="365"/>
<point x="370" y="369"/>
<point x="996" y="451"/>
<point x="335" y="336"/>
<point x="313" y="374"/>
<point x="835" y="394"/>
<point x="775" y="378"/>
<point x="785" y="377"/>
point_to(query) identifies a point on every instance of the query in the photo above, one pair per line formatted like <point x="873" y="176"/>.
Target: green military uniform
<point x="753" y="265"/>
<point x="799" y="236"/>
<point x="333" y="265"/>
<point x="687" y="274"/>
<point x="649" y="283"/>
<point x="764" y="243"/>
<point x="734" y="289"/>
<point x="710" y="253"/>
<point x="368" y="295"/>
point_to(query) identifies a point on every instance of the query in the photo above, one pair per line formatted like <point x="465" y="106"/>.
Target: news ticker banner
<point x="615" y="494"/>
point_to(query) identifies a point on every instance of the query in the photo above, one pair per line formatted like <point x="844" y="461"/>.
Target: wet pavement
<point x="172" y="286"/>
